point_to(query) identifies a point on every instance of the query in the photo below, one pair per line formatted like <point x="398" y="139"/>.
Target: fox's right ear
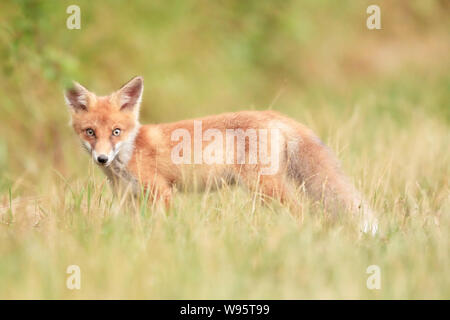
<point x="77" y="97"/>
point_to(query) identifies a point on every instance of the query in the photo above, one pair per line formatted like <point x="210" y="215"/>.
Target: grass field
<point x="380" y="99"/>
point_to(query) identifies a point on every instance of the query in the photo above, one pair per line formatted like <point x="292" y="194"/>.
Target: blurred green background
<point x="379" y="98"/>
<point x="204" y="57"/>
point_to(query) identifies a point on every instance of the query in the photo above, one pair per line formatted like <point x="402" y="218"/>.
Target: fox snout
<point x="103" y="154"/>
<point x="102" y="159"/>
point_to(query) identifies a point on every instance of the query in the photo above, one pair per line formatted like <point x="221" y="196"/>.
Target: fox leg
<point x="159" y="189"/>
<point x="275" y="187"/>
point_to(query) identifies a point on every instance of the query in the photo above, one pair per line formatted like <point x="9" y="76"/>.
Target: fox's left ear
<point x="130" y="95"/>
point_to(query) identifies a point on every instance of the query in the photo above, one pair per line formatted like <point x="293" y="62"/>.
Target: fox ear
<point x="77" y="97"/>
<point x="130" y="95"/>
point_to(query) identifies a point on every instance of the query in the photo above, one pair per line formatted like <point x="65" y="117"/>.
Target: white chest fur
<point x="117" y="172"/>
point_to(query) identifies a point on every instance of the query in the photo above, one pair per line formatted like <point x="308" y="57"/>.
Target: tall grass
<point x="380" y="99"/>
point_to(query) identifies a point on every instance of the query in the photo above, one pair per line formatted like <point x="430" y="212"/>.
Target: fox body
<point x="158" y="157"/>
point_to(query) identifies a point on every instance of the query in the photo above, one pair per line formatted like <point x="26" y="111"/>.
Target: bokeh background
<point x="379" y="98"/>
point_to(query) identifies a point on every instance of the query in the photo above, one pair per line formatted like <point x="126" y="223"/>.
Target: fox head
<point x="107" y="124"/>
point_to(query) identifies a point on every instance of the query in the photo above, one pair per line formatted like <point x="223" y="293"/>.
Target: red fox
<point x="264" y="150"/>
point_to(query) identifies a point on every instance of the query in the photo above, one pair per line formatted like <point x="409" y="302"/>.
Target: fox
<point x="159" y="158"/>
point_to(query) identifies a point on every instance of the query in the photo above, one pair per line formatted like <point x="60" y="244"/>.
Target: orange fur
<point x="142" y="154"/>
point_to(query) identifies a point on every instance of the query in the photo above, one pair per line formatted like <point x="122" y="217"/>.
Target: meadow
<point x="379" y="98"/>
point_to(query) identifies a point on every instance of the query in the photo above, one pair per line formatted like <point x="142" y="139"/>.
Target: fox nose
<point x="102" y="159"/>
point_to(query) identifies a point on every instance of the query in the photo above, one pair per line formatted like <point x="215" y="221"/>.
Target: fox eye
<point x="90" y="132"/>
<point x="116" y="132"/>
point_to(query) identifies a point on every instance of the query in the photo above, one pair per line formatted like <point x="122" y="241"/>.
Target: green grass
<point x="380" y="99"/>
